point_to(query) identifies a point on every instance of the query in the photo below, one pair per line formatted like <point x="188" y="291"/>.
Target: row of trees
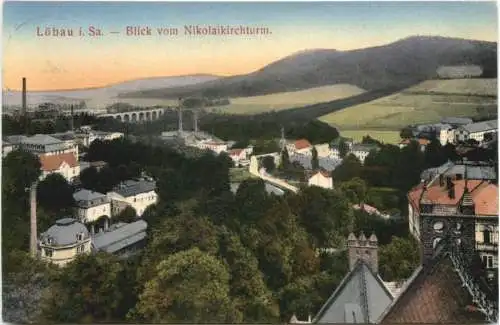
<point x="211" y="255"/>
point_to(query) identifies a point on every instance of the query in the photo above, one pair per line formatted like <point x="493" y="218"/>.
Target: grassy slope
<point x="281" y="101"/>
<point x="426" y="102"/>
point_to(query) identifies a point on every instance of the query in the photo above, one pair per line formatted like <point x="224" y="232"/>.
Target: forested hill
<point x="399" y="64"/>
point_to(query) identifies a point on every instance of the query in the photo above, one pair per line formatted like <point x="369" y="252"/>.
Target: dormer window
<point x="50" y="240"/>
<point x="438" y="226"/>
<point x="79" y="236"/>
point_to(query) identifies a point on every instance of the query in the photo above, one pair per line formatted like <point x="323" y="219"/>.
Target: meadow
<point x="426" y="102"/>
<point x="281" y="101"/>
<point x="385" y="136"/>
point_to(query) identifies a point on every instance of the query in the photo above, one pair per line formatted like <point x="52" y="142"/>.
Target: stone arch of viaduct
<point x="137" y="116"/>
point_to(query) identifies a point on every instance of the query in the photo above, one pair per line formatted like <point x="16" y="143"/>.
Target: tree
<point x="19" y="170"/>
<point x="355" y="190"/>
<point x="434" y="154"/>
<point x="268" y="164"/>
<point x="489" y="136"/>
<point x="349" y="168"/>
<point x="189" y="286"/>
<point x="247" y="284"/>
<point x="398" y="259"/>
<point x="406" y="133"/>
<point x="89" y="290"/>
<point x="127" y="215"/>
<point x="285" y="160"/>
<point x="55" y="194"/>
<point x="314" y="159"/>
<point x="343" y="148"/>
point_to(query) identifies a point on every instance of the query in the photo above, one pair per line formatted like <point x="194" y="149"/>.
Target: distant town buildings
<point x="361" y="151"/>
<point x="476" y="131"/>
<point x="301" y="146"/>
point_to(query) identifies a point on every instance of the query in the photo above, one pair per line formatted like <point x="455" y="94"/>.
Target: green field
<point x="237" y="175"/>
<point x="292" y="99"/>
<point x="426" y="102"/>
<point x="391" y="137"/>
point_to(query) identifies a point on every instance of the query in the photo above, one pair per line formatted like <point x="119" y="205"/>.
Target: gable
<point x="435" y="296"/>
<point x="360" y="298"/>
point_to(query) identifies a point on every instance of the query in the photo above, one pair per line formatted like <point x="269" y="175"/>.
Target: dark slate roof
<point x="479" y="172"/>
<point x="64" y="232"/>
<point x="42" y="139"/>
<point x="481" y="126"/>
<point x="15" y="139"/>
<point x="64" y="136"/>
<point x="120" y="236"/>
<point x="361" y="297"/>
<point x="133" y="187"/>
<point x="325" y="163"/>
<point x="364" y="147"/>
<point x="86" y="198"/>
<point x="456" y="120"/>
<point x="436" y="293"/>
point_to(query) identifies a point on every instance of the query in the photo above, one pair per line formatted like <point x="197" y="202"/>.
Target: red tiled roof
<point x="433" y="296"/>
<point x="325" y="174"/>
<point x="53" y="162"/>
<point x="235" y="152"/>
<point x="484" y="194"/>
<point x="422" y="142"/>
<point x="302" y="144"/>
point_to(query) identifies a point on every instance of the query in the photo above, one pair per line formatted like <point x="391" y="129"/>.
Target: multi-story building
<point x="139" y="194"/>
<point x="64" y="164"/>
<point x="45" y="144"/>
<point x="476" y="131"/>
<point x="458" y="207"/>
<point x="91" y="207"/>
<point x="361" y="151"/>
<point x="62" y="242"/>
<point x="302" y="146"/>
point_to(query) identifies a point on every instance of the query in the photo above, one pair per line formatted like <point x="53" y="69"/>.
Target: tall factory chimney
<point x="33" y="234"/>
<point x="24" y="97"/>
<point x="180" y="115"/>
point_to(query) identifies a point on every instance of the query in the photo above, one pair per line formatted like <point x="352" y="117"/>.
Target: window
<point x="79" y="236"/>
<point x="49" y="240"/>
<point x="48" y="252"/>
<point x="80" y="249"/>
<point x="436" y="242"/>
<point x="487" y="236"/>
<point x="487" y="261"/>
<point x="438" y="226"/>
<point x="458" y="227"/>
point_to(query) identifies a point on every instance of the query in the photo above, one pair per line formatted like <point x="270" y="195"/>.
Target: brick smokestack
<point x="24" y="97"/>
<point x="33" y="221"/>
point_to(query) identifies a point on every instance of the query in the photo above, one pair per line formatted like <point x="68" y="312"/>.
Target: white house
<point x="476" y="131"/>
<point x="302" y="146"/>
<point x="323" y="150"/>
<point x="321" y="179"/>
<point x="6" y="148"/>
<point x="139" y="194"/>
<point x="91" y="206"/>
<point x="361" y="151"/>
<point x="65" y="164"/>
<point x="239" y="157"/>
<point x="62" y="242"/>
<point x="446" y="134"/>
<point x="214" y="146"/>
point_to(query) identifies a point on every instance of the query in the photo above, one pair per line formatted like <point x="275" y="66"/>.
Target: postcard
<point x="250" y="162"/>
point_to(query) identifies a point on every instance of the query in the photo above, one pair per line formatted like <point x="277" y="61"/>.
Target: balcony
<point x="487" y="246"/>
